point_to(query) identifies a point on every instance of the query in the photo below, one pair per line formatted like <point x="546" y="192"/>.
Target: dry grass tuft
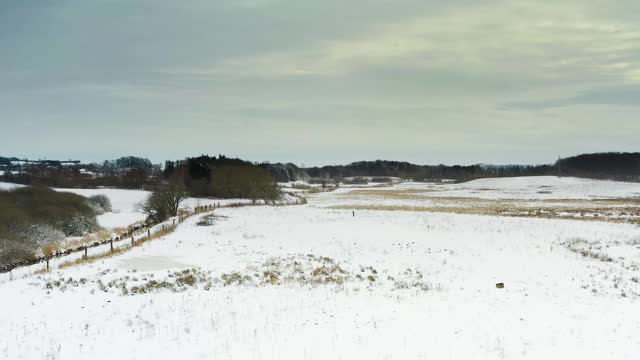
<point x="90" y="239"/>
<point x="41" y="271"/>
<point x="49" y="249"/>
<point x="499" y="208"/>
<point x="158" y="234"/>
<point x="93" y="258"/>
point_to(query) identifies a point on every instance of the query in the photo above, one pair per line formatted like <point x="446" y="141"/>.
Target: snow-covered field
<point x="124" y="204"/>
<point x="544" y="196"/>
<point x="316" y="282"/>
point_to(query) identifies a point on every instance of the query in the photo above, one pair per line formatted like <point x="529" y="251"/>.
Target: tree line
<point x="210" y="175"/>
<point x="222" y="177"/>
<point x="614" y="166"/>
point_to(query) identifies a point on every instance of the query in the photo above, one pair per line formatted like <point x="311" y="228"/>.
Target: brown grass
<point x="401" y="194"/>
<point x="93" y="258"/>
<point x="49" y="249"/>
<point x="508" y="210"/>
<point x="318" y="189"/>
<point x="89" y="239"/>
<point x="158" y="234"/>
<point x="390" y="193"/>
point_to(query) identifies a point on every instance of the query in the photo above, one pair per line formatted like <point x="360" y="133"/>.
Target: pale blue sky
<point x="319" y="82"/>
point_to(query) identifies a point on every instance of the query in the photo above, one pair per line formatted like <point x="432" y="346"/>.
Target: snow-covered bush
<point x="12" y="250"/>
<point x="31" y="217"/>
<point x="79" y="224"/>
<point x="101" y="203"/>
<point x="37" y="235"/>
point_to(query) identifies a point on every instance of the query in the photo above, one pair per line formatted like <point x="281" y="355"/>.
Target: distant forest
<point x="614" y="166"/>
<point x="232" y="177"/>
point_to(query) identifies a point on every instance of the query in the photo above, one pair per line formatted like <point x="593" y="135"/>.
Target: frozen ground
<point x="313" y="282"/>
<point x="542" y="197"/>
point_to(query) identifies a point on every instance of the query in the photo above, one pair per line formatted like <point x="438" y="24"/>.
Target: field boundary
<point x="137" y="235"/>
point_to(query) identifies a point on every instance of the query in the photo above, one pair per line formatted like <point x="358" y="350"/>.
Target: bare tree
<point x="163" y="202"/>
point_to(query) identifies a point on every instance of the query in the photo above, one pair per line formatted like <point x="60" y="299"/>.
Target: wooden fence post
<point x="85" y="253"/>
<point x="149" y="233"/>
<point x="47" y="264"/>
<point x="132" y="241"/>
<point x="354" y="213"/>
<point x="111" y="243"/>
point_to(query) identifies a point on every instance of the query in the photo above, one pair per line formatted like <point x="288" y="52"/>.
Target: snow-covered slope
<point x="304" y="282"/>
<point x="544" y="187"/>
<point x="123" y="202"/>
<point x="312" y="282"/>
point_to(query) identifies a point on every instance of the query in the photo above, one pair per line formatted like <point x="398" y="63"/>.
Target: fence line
<point x="128" y="235"/>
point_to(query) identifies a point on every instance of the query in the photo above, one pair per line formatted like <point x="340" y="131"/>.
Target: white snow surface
<point x="543" y="187"/>
<point x="8" y="186"/>
<point x="123" y="204"/>
<point x="536" y="188"/>
<point x="428" y="288"/>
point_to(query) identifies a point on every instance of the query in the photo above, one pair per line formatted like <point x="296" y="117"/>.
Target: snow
<point x="426" y="287"/>
<point x="544" y="187"/>
<point x="124" y="204"/>
<point x="520" y="191"/>
<point x="8" y="186"/>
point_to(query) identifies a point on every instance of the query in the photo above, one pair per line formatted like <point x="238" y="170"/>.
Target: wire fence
<point x="135" y="233"/>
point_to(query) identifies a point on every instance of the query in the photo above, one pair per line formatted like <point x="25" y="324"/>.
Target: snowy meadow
<point x="512" y="268"/>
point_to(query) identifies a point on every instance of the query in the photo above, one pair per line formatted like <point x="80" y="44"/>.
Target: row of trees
<point x="410" y="171"/>
<point x="222" y="177"/>
<point x="619" y="166"/>
<point x="127" y="172"/>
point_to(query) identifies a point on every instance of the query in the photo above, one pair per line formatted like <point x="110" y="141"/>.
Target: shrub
<point x="320" y="181"/>
<point x="34" y="216"/>
<point x="102" y="202"/>
<point x="381" y="180"/>
<point x="38" y="234"/>
<point x="356" y="181"/>
<point x="12" y="250"/>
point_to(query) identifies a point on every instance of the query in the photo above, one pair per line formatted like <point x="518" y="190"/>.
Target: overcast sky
<point x="318" y="82"/>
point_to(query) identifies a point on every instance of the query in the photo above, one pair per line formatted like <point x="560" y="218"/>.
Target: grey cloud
<point x="628" y="95"/>
<point x="413" y="79"/>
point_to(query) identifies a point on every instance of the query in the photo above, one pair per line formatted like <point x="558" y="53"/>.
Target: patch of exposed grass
<point x="587" y="249"/>
<point x="234" y="278"/>
<point x="92" y="258"/>
<point x="100" y="235"/>
<point x="401" y="194"/>
<point x="156" y="235"/>
<point x="500" y="208"/>
<point x="42" y="271"/>
<point x="49" y="249"/>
